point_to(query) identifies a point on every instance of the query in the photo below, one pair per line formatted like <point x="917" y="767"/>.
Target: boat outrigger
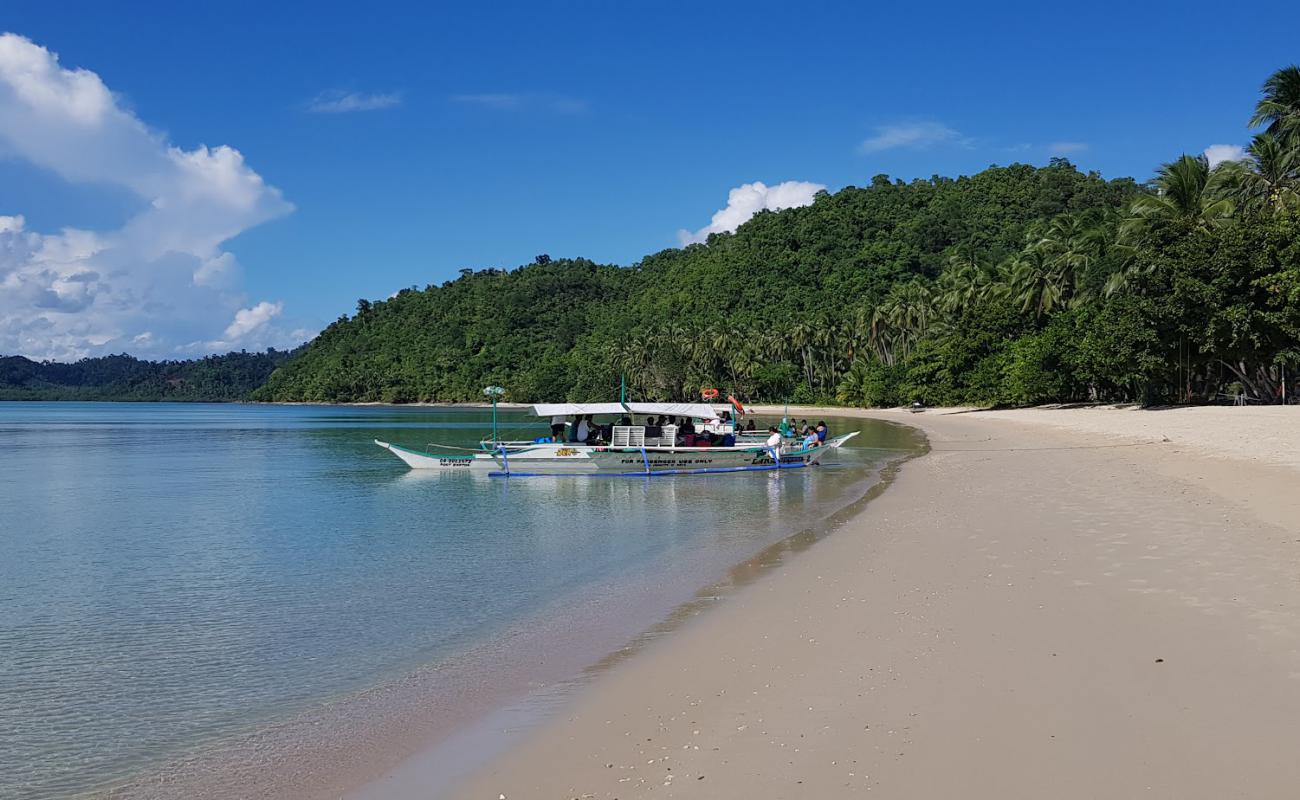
<point x="626" y="449"/>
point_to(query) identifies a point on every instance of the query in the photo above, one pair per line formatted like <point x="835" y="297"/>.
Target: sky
<point x="179" y="179"/>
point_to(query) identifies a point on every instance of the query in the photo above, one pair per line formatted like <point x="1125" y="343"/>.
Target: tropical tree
<point x="1036" y="283"/>
<point x="1268" y="179"/>
<point x="1279" y="108"/>
<point x="1186" y="188"/>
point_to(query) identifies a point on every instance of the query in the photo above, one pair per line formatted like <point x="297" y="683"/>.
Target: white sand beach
<point x="1066" y="603"/>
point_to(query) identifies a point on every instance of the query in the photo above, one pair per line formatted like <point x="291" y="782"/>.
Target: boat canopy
<point x="569" y="409"/>
<point x="695" y="410"/>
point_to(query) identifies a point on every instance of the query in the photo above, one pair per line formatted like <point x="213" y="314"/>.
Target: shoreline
<point x="1048" y="606"/>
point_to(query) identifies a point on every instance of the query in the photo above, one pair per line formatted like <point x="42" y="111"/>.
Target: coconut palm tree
<point x="1279" y="108"/>
<point x="1036" y="283"/>
<point x="1268" y="179"/>
<point x="1186" y="188"/>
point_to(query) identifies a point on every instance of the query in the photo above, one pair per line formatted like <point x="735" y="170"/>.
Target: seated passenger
<point x="810" y="441"/>
<point x="749" y="426"/>
<point x="822" y="430"/>
<point x="728" y="440"/>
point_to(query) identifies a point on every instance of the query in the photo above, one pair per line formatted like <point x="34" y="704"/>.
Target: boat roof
<point x="696" y="410"/>
<point x="568" y="409"/>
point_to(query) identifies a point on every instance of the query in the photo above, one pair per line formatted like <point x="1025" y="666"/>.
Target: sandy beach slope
<point x="1064" y="604"/>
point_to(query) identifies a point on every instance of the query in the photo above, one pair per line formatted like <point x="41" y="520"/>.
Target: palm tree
<point x="1036" y="284"/>
<point x="1268" y="179"/>
<point x="1185" y="189"/>
<point x="900" y="320"/>
<point x="966" y="280"/>
<point x="1279" y="108"/>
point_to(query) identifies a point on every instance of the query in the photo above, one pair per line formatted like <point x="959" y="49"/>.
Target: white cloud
<point x="1066" y="148"/>
<point x="1216" y="154"/>
<point x="341" y="102"/>
<point x="747" y="200"/>
<point x="913" y="135"/>
<point x="159" y="280"/>
<point x="506" y="101"/>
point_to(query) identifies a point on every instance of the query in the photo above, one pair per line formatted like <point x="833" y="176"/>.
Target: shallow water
<point x="174" y="576"/>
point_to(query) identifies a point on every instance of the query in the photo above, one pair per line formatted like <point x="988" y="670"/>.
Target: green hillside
<point x="227" y="377"/>
<point x="781" y="308"/>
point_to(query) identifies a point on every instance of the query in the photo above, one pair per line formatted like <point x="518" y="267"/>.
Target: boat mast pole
<point x="494" y="392"/>
<point x="622" y="388"/>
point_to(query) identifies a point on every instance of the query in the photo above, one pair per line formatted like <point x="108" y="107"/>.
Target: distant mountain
<point x="121" y="377"/>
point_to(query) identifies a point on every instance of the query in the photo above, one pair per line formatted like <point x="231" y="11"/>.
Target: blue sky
<point x="409" y="141"/>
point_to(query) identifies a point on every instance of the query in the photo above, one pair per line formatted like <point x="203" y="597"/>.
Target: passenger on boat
<point x="624" y="420"/>
<point x="583" y="429"/>
<point x="822" y="430"/>
<point x="773" y="438"/>
<point x="557" y="427"/>
<point x="804" y="427"/>
<point x="728" y="440"/>
<point x="810" y="441"/>
<point x="749" y="426"/>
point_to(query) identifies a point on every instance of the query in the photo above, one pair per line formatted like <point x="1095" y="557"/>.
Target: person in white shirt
<point x="584" y="428"/>
<point x="773" y="439"/>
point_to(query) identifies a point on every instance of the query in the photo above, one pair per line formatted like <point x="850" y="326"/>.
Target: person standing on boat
<point x="557" y="427"/>
<point x="773" y="439"/>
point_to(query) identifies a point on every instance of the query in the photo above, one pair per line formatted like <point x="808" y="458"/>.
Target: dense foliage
<point x="783" y="308"/>
<point x="229" y="377"/>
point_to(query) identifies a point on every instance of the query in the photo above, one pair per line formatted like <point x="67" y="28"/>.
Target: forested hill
<point x="781" y="309"/>
<point x="227" y="377"/>
<point x="1017" y="285"/>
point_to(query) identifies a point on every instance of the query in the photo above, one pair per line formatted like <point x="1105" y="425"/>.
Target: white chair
<point x="669" y="436"/>
<point x="627" y="436"/>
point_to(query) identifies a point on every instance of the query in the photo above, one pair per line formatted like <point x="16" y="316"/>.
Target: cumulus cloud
<point x="507" y="101"/>
<point x="341" y="102"/>
<point x="914" y="135"/>
<point x="1216" y="154"/>
<point x="747" y="200"/>
<point x="159" y="280"/>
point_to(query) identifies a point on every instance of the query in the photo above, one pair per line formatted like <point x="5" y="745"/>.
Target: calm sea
<point x="176" y="576"/>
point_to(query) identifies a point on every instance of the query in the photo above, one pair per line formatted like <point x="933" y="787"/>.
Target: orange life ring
<point x="736" y="404"/>
<point x="709" y="394"/>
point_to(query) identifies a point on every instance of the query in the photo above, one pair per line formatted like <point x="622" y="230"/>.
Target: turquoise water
<point x="173" y="574"/>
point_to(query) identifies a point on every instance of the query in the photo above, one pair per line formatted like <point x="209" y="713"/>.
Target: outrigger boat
<point x="631" y="449"/>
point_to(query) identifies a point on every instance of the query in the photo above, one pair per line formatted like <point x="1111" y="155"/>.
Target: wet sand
<point x="1050" y="604"/>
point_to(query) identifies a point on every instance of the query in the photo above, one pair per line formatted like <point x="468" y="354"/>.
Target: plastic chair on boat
<point x="628" y="436"/>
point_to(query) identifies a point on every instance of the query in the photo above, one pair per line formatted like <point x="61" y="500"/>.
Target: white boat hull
<point x="419" y="459"/>
<point x="575" y="459"/>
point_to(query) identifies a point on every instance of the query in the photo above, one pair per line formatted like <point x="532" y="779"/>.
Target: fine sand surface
<point x="1051" y="604"/>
